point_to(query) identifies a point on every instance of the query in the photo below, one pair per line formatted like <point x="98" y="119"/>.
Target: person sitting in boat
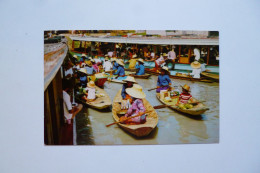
<point x="75" y="59"/>
<point x="158" y="62"/>
<point x="69" y="111"/>
<point x="185" y="96"/>
<point x="196" y="69"/>
<point x="107" y="64"/>
<point x="120" y="70"/>
<point x="137" y="109"/>
<point x="132" y="62"/>
<point x="95" y="66"/>
<point x="89" y="68"/>
<point x="83" y="77"/>
<point x="130" y="81"/>
<point x="164" y="81"/>
<point x="203" y="65"/>
<point x="83" y="58"/>
<point x="140" y="67"/>
<point x="89" y="92"/>
<point x="97" y="60"/>
<point x="115" y="64"/>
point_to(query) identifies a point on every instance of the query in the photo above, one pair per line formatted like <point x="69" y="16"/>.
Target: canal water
<point x="172" y="127"/>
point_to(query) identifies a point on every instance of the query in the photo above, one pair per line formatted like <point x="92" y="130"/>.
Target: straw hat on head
<point x="88" y="63"/>
<point x="134" y="56"/>
<point x="75" y="56"/>
<point x="195" y="64"/>
<point x="106" y="58"/>
<point x="121" y="62"/>
<point x="165" y="54"/>
<point x="130" y="79"/>
<point x="165" y="69"/>
<point x="83" y="55"/>
<point x="186" y="87"/>
<point x="140" y="60"/>
<point x="91" y="84"/>
<point x="83" y="70"/>
<point x="136" y="91"/>
<point x="92" y="60"/>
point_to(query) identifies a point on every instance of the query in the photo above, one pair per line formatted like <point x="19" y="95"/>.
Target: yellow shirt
<point x="132" y="63"/>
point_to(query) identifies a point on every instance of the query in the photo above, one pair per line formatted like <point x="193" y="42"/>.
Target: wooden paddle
<point x="152" y="89"/>
<point x="127" y="119"/>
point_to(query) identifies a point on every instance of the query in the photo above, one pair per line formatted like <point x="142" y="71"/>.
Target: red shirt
<point x="184" y="98"/>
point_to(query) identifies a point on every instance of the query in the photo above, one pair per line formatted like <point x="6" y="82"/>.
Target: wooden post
<point x="85" y="47"/>
<point x="72" y="44"/>
<point x="208" y="57"/>
<point x="48" y="134"/>
<point x="189" y="54"/>
<point x="179" y="53"/>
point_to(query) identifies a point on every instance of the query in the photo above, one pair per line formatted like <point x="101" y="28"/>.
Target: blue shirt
<point x="82" y="60"/>
<point x="123" y="92"/>
<point x="89" y="70"/>
<point x="120" y="71"/>
<point x="115" y="66"/>
<point x="163" y="80"/>
<point x="83" y="79"/>
<point x="140" y="69"/>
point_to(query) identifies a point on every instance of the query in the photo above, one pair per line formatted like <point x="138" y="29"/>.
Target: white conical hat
<point x="136" y="91"/>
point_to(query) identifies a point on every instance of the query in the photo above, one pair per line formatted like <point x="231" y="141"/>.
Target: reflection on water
<point x="172" y="128"/>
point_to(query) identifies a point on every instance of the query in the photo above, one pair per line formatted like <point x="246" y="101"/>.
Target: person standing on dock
<point x="164" y="81"/>
<point x="196" y="69"/>
<point x="171" y="57"/>
<point x="69" y="111"/>
<point x="140" y="67"/>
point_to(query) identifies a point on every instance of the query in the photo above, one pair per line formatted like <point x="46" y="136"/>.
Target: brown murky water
<point x="172" y="128"/>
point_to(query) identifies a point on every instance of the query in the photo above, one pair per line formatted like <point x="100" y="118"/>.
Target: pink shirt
<point x="160" y="60"/>
<point x="96" y="68"/>
<point x="171" y="55"/>
<point x="136" y="107"/>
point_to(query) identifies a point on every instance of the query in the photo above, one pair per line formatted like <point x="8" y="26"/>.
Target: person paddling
<point x="89" y="92"/>
<point x="164" y="81"/>
<point x="196" y="69"/>
<point x="140" y="67"/>
<point x="137" y="107"/>
<point x="115" y="64"/>
<point x="120" y="70"/>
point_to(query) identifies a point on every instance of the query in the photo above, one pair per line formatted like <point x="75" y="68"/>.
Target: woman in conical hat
<point x="83" y="77"/>
<point x="137" y="108"/>
<point x="90" y="92"/>
<point x="140" y="67"/>
<point x="130" y="81"/>
<point x="90" y="69"/>
<point x="185" y="96"/>
<point x="164" y="81"/>
<point x="120" y="70"/>
<point x="196" y="69"/>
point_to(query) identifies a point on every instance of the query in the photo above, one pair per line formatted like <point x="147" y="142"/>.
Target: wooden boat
<point x="212" y="76"/>
<point x="182" y="77"/>
<point x="145" y="76"/>
<point x="100" y="102"/>
<point x="198" y="109"/>
<point x="140" y="129"/>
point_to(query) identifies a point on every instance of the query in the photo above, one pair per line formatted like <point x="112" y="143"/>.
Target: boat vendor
<point x="89" y="92"/>
<point x="107" y="64"/>
<point x="158" y="62"/>
<point x="83" y="77"/>
<point x="196" y="69"/>
<point x="120" y="70"/>
<point x="115" y="64"/>
<point x="130" y="81"/>
<point x="69" y="111"/>
<point x="89" y="68"/>
<point x="97" y="60"/>
<point x="140" y="67"/>
<point x="95" y="66"/>
<point x="185" y="96"/>
<point x="137" y="107"/>
<point x="164" y="81"/>
<point x="132" y="62"/>
<point x="83" y="58"/>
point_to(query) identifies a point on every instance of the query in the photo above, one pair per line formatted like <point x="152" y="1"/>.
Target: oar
<point x="127" y="119"/>
<point x="152" y="89"/>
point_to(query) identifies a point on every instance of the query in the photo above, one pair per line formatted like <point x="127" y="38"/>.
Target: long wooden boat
<point x="212" y="76"/>
<point x="151" y="71"/>
<point x="101" y="102"/>
<point x="198" y="109"/>
<point x="145" y="76"/>
<point x="140" y="129"/>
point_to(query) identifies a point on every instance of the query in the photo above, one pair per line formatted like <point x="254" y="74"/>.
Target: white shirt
<point x="152" y="54"/>
<point x="107" y="65"/>
<point x="91" y="92"/>
<point x="171" y="55"/>
<point x="197" y="54"/>
<point x="69" y="71"/>
<point x="196" y="72"/>
<point x="202" y="67"/>
<point x="67" y="105"/>
<point x="110" y="54"/>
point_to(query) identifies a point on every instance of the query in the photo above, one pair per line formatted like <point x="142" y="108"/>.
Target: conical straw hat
<point x="134" y="56"/>
<point x="165" y="68"/>
<point x="121" y="62"/>
<point x="75" y="56"/>
<point x="91" y="84"/>
<point x="186" y="87"/>
<point x="140" y="60"/>
<point x="83" y="55"/>
<point x="195" y="64"/>
<point x="130" y="79"/>
<point x="83" y="70"/>
<point x="136" y="91"/>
